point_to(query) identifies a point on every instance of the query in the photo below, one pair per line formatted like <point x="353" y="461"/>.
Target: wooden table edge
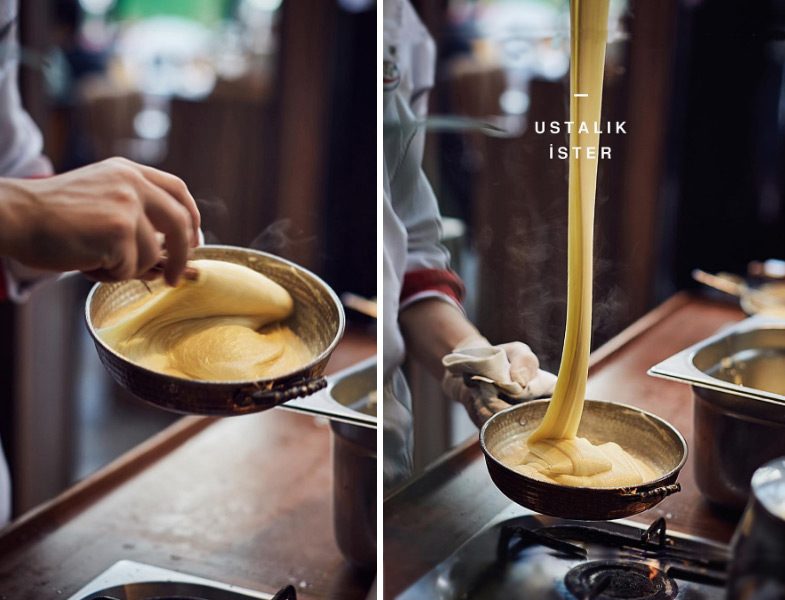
<point x="108" y="478"/>
<point x="41" y="519"/>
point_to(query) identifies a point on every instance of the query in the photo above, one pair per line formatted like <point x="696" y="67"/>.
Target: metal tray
<point x="751" y="352"/>
<point x="343" y="391"/>
<point x="126" y="577"/>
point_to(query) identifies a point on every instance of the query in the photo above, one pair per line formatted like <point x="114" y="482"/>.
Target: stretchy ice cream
<point x="224" y="326"/>
<point x="553" y="452"/>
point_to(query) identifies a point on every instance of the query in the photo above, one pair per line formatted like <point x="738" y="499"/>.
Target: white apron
<point x="411" y="221"/>
<point x="20" y="156"/>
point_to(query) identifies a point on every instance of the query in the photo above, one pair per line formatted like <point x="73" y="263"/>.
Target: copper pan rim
<point x="319" y="318"/>
<point x="665" y="443"/>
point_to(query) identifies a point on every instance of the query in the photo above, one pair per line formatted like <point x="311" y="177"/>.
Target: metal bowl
<point x="318" y="319"/>
<point x="354" y="468"/>
<point x="738" y="383"/>
<point x="640" y="433"/>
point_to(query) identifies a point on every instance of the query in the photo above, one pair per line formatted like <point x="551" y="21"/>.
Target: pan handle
<point x="276" y="396"/>
<point x="662" y="491"/>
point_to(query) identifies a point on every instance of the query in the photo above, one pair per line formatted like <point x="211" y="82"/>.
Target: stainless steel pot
<point x="318" y="319"/>
<point x="354" y="466"/>
<point x="738" y="384"/>
<point x="758" y="546"/>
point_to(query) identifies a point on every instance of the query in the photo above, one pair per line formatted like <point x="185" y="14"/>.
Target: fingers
<point x="135" y="249"/>
<point x="174" y="221"/>
<point x="176" y="188"/>
<point x="148" y="248"/>
<point x="495" y="404"/>
<point x="523" y="362"/>
<point x="482" y="408"/>
<point x="171" y="210"/>
<point x="481" y="402"/>
<point x="478" y="414"/>
<point x="542" y="385"/>
<point x="120" y="261"/>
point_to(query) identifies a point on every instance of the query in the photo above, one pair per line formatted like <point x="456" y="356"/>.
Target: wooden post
<point x="307" y="29"/>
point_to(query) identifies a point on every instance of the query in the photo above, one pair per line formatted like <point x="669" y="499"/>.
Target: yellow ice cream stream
<point x="225" y="326"/>
<point x="553" y="452"/>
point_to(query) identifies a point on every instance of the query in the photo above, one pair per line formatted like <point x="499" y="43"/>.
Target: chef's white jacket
<point x="411" y="220"/>
<point x="20" y="156"/>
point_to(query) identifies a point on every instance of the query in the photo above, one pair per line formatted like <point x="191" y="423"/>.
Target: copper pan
<point x="318" y="318"/>
<point x="640" y="433"/>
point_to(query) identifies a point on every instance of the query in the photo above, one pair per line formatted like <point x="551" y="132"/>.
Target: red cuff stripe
<point x="444" y="281"/>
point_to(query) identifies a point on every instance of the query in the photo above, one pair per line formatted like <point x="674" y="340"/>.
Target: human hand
<point x="102" y="219"/>
<point x="512" y="367"/>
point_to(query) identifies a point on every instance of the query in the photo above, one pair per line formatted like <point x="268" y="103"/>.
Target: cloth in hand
<point x="513" y="371"/>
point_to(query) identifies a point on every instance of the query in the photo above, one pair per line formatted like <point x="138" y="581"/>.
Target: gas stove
<point x="128" y="580"/>
<point x="532" y="556"/>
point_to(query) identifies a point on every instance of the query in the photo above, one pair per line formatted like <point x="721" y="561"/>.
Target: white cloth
<point x="20" y="156"/>
<point x="411" y="221"/>
<point x="491" y="362"/>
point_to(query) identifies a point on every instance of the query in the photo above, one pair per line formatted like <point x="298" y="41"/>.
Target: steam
<point x="279" y="236"/>
<point x="214" y="211"/>
<point x="531" y="305"/>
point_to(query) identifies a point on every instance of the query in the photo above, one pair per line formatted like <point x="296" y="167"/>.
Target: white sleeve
<point x="415" y="203"/>
<point x="20" y="140"/>
<point x="425" y="295"/>
<point x="20" y="280"/>
<point x="412" y="198"/>
<point x="409" y="46"/>
<point x="20" y="143"/>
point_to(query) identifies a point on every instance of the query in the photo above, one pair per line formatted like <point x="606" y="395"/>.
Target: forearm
<point x="13" y="216"/>
<point x="432" y="328"/>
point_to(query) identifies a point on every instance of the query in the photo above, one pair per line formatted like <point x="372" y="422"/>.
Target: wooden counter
<point x="245" y="500"/>
<point x="427" y="520"/>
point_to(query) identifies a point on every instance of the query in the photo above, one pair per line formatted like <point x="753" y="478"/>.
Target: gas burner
<point x="523" y="556"/>
<point x="613" y="579"/>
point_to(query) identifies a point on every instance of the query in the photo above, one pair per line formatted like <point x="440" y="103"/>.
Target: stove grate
<point x="573" y="540"/>
<point x="616" y="580"/>
<point x="536" y="556"/>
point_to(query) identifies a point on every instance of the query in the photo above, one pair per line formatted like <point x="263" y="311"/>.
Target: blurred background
<point x="266" y="108"/>
<point x="696" y="182"/>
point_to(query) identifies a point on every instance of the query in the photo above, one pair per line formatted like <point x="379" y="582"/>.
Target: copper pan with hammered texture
<point x="318" y="319"/>
<point x="642" y="434"/>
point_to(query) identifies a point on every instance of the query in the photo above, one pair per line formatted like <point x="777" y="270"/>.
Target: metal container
<point x="337" y="404"/>
<point x="738" y="383"/>
<point x="317" y="318"/>
<point x="354" y="465"/>
<point x="758" y="546"/>
<point x="640" y="433"/>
